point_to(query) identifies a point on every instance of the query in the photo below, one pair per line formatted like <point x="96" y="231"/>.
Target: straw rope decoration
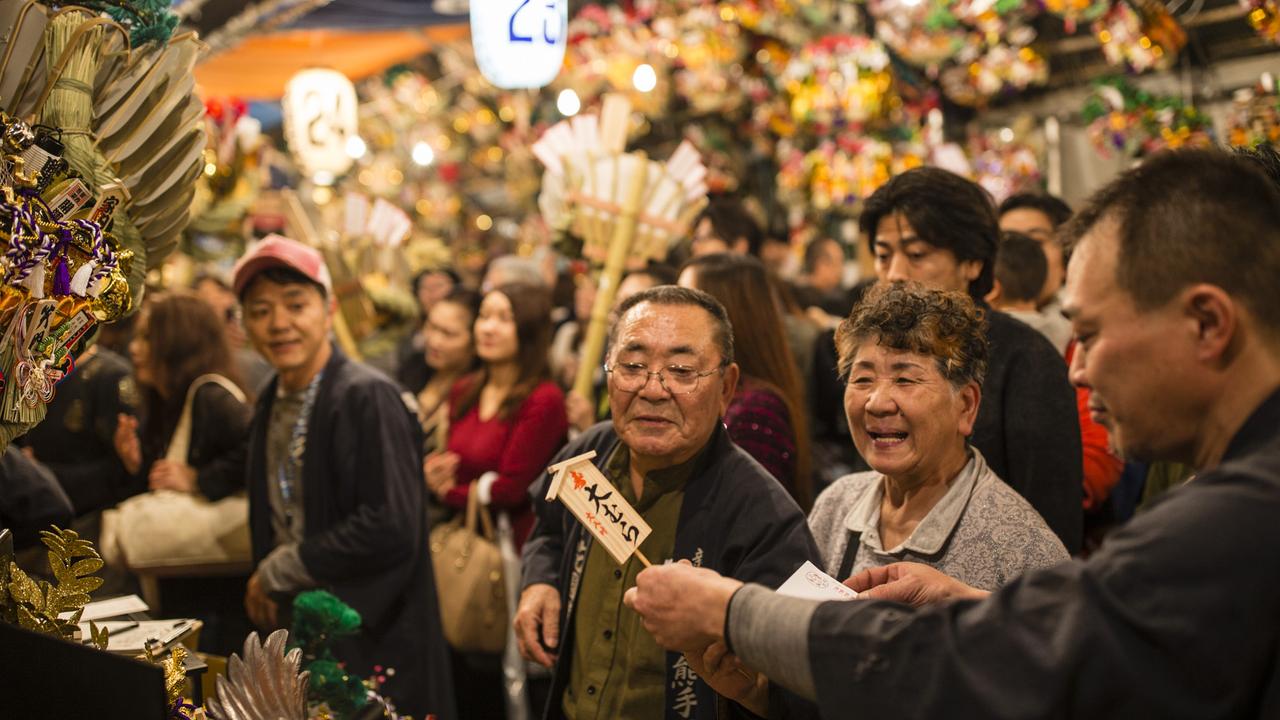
<point x="73" y="38"/>
<point x="93" y="116"/>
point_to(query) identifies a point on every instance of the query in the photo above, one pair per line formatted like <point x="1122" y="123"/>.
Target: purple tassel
<point x="62" y="279"/>
<point x="62" y="273"/>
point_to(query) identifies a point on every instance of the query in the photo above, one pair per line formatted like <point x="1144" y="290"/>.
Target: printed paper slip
<point x="811" y="583"/>
<point x="160" y="632"/>
<point x="113" y="607"/>
<point x="599" y="506"/>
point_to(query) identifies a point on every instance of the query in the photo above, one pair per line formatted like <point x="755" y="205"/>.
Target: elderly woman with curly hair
<point x="914" y="361"/>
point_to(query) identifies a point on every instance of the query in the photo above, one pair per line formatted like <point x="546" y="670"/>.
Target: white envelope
<point x="811" y="583"/>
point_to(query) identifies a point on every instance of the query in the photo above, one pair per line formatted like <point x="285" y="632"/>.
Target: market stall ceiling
<point x="360" y="37"/>
<point x="350" y="15"/>
<point x="357" y="37"/>
<point x="1217" y="30"/>
<point x="259" y="68"/>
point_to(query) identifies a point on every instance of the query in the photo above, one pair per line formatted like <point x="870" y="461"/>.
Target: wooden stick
<point x="643" y="560"/>
<point x="619" y="248"/>
<point x="297" y="218"/>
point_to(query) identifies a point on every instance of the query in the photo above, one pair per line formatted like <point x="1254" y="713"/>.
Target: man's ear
<point x="730" y="386"/>
<point x="1216" y="318"/>
<point x="993" y="297"/>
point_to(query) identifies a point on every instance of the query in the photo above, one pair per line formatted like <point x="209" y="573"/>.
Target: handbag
<point x="165" y="528"/>
<point x="468" y="570"/>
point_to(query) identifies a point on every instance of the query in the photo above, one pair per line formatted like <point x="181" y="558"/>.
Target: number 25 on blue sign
<point x="551" y="23"/>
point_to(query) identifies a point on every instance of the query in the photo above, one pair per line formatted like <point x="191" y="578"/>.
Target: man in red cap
<point x="335" y="483"/>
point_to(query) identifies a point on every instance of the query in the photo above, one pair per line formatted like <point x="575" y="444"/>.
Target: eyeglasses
<point x="675" y="379"/>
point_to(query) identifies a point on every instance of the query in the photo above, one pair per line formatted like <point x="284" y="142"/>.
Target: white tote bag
<point x="165" y="528"/>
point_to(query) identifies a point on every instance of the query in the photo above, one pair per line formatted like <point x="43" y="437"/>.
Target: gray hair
<point x="507" y="269"/>
<point x="674" y="295"/>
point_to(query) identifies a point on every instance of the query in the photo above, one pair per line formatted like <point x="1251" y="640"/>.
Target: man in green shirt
<point x="671" y="376"/>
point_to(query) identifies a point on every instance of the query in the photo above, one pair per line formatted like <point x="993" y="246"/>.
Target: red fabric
<point x="518" y="449"/>
<point x="1101" y="468"/>
<point x="759" y="422"/>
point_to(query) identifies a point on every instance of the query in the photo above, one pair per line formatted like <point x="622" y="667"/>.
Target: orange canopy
<point x="259" y="67"/>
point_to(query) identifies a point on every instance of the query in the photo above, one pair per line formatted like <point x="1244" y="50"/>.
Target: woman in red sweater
<point x="508" y="418"/>
<point x="506" y="421"/>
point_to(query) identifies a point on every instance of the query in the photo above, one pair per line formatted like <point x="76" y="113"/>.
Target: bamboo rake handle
<point x="619" y="248"/>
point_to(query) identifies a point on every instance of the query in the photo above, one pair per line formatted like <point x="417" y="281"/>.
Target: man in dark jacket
<point x="335" y="483"/>
<point x="670" y="377"/>
<point x="75" y="441"/>
<point x="938" y="229"/>
<point x="1172" y="293"/>
<point x="30" y="499"/>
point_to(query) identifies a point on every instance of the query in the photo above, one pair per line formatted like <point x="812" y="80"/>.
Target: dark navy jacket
<point x="366" y="529"/>
<point x="736" y="519"/>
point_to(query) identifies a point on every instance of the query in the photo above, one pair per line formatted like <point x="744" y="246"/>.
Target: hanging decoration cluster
<point x="1254" y="118"/>
<point x="1264" y="17"/>
<point x="1140" y="36"/>
<point x="100" y="147"/>
<point x="802" y="105"/>
<point x="1128" y="120"/>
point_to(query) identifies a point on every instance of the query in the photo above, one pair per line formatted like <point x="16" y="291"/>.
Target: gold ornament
<point x="38" y="605"/>
<point x="175" y="676"/>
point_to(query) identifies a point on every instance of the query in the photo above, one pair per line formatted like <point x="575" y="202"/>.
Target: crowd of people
<point x="996" y="427"/>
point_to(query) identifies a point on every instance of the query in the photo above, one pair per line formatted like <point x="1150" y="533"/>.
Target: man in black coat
<point x="335" y="483"/>
<point x="670" y="376"/>
<point x="1172" y="293"/>
<point x="30" y="499"/>
<point x="75" y="441"/>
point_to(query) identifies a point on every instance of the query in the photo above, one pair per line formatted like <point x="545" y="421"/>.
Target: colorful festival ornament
<point x="54" y="609"/>
<point x="1076" y="12"/>
<point x="1264" y="17"/>
<point x="1254" y="117"/>
<point x="1142" y="36"/>
<point x="838" y="80"/>
<point x="1000" y="69"/>
<point x="1136" y="123"/>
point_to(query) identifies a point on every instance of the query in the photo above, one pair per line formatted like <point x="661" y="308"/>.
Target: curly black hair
<point x="909" y="317"/>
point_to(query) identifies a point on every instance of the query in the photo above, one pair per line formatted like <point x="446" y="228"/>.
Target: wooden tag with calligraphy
<point x="598" y="505"/>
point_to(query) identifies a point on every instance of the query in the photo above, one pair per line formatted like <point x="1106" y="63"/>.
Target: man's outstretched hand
<point x="912" y="584"/>
<point x="682" y="606"/>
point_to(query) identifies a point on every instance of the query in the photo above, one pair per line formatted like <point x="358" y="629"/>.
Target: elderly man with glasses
<point x="670" y="377"/>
